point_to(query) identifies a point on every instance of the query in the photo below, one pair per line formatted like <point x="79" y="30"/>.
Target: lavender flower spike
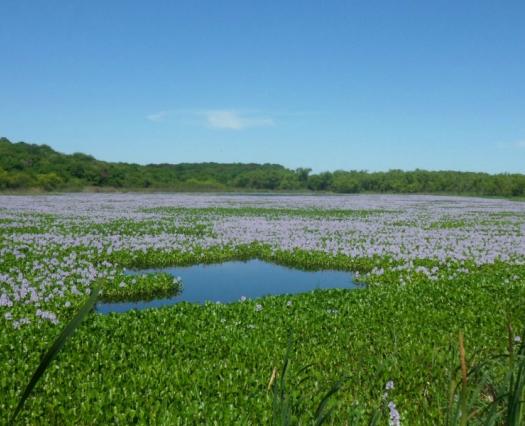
<point x="395" y="417"/>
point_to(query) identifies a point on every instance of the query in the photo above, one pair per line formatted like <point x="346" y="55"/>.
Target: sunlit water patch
<point x="234" y="281"/>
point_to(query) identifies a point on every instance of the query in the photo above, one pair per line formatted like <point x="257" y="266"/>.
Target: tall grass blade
<point x="464" y="382"/>
<point x="55" y="348"/>
<point x="272" y="378"/>
<point x="281" y="407"/>
<point x="517" y="391"/>
<point x="321" y="415"/>
<point x="374" y="421"/>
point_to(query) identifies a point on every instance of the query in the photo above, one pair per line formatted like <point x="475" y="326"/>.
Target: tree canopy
<point x="26" y="166"/>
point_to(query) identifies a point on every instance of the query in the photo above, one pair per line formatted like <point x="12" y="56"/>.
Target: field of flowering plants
<point x="433" y="266"/>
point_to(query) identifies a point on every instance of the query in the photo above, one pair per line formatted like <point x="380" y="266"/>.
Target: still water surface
<point x="229" y="281"/>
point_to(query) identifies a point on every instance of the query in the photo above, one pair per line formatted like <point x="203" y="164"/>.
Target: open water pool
<point x="233" y="281"/>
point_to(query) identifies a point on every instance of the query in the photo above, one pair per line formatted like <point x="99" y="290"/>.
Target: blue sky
<point x="323" y="84"/>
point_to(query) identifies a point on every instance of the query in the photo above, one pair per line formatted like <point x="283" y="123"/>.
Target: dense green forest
<point x="26" y="166"/>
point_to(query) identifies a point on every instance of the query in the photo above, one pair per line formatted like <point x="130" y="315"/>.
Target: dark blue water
<point x="229" y="281"/>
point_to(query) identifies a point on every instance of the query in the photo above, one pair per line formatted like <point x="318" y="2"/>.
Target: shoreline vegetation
<point x="33" y="169"/>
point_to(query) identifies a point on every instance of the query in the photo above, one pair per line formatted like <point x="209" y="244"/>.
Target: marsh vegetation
<point x="434" y="268"/>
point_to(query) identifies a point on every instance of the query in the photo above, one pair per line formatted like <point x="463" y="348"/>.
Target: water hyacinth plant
<point x="287" y="404"/>
<point x="432" y="266"/>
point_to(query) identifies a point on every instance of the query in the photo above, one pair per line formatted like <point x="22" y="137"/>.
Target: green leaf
<point x="55" y="348"/>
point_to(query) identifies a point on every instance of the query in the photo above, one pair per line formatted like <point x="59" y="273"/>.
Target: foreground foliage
<point x="192" y="363"/>
<point x="432" y="271"/>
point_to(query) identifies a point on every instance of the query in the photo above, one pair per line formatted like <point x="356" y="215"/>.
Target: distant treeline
<point x="27" y="166"/>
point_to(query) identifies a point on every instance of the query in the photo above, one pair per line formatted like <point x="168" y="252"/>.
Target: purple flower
<point x="19" y="323"/>
<point x="5" y="301"/>
<point x="395" y="418"/>
<point x="50" y="316"/>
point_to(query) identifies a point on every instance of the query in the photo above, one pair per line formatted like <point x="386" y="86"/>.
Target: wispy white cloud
<point x="234" y="120"/>
<point x="157" y="117"/>
<point x="228" y="119"/>
<point x="519" y="144"/>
